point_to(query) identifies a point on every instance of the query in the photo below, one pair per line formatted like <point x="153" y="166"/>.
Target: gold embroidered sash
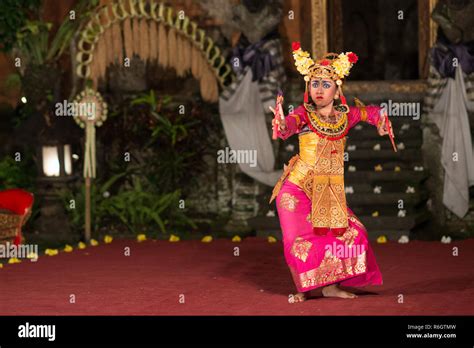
<point x="328" y="197"/>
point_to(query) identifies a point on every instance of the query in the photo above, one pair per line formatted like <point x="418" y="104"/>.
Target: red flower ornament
<point x="325" y="62"/>
<point x="352" y="57"/>
<point x="295" y="45"/>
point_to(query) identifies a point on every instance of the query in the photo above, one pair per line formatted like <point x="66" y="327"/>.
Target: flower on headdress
<point x="342" y="65"/>
<point x="302" y="58"/>
<point x="325" y="62"/>
<point x="352" y="57"/>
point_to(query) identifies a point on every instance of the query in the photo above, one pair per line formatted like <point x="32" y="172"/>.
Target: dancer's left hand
<point x="382" y="127"/>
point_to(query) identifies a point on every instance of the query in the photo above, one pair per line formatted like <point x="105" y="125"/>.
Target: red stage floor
<point x="215" y="282"/>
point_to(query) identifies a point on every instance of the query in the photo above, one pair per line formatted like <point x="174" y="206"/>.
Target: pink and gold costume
<point x="313" y="213"/>
<point x="324" y="242"/>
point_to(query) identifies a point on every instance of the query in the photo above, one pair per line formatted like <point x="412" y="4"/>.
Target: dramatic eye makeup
<point x="324" y="84"/>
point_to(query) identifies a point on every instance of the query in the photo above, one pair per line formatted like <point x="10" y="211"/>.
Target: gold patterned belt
<point x="302" y="175"/>
<point x="299" y="172"/>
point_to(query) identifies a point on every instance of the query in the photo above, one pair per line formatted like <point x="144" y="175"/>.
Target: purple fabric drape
<point x="261" y="62"/>
<point x="443" y="56"/>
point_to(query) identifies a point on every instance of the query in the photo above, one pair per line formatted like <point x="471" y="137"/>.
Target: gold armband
<point x="363" y="111"/>
<point x="363" y="114"/>
<point x="297" y="117"/>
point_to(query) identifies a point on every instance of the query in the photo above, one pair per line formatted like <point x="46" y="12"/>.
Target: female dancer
<point x="325" y="244"/>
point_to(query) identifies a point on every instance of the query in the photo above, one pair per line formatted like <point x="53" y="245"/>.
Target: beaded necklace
<point x="330" y="131"/>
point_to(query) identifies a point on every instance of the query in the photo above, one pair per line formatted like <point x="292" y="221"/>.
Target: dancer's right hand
<point x="277" y="118"/>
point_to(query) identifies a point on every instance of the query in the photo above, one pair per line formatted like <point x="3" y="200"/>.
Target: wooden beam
<point x="426" y="34"/>
<point x="319" y="26"/>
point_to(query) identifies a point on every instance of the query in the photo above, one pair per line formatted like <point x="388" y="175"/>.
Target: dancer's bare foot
<point x="334" y="291"/>
<point x="298" y="297"/>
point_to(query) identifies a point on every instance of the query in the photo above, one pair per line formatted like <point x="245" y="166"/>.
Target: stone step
<point x="393" y="222"/>
<point x="387" y="165"/>
<point x="386" y="187"/>
<point x="387" y="210"/>
<point x="392" y="234"/>
<point x="362" y="144"/>
<point x="387" y="198"/>
<point x="371" y="176"/>
<point x="405" y="155"/>
<point x="370" y="132"/>
<point x="397" y="122"/>
<point x="377" y="223"/>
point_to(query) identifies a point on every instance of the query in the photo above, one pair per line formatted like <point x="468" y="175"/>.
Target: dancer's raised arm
<point x="292" y="122"/>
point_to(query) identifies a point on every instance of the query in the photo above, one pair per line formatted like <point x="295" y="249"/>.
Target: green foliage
<point x="65" y="33"/>
<point x="33" y="38"/>
<point x="13" y="81"/>
<point x="176" y="159"/>
<point x="17" y="174"/>
<point x="135" y="206"/>
<point x="22" y="29"/>
<point x="150" y="100"/>
<point x="141" y="209"/>
<point x="13" y="16"/>
<point x="32" y="41"/>
<point x="143" y="197"/>
<point x="174" y="130"/>
<point x="98" y="202"/>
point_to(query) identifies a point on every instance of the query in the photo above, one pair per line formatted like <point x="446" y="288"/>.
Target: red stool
<point x="15" y="209"/>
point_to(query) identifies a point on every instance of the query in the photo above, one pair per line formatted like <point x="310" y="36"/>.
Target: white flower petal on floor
<point x="403" y="239"/>
<point x="446" y="240"/>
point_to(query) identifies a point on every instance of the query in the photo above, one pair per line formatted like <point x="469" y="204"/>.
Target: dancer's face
<point x="322" y="91"/>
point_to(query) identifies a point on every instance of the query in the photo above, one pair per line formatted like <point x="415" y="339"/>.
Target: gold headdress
<point x="331" y="66"/>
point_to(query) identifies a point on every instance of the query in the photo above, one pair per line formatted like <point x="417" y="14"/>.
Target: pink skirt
<point x="319" y="260"/>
